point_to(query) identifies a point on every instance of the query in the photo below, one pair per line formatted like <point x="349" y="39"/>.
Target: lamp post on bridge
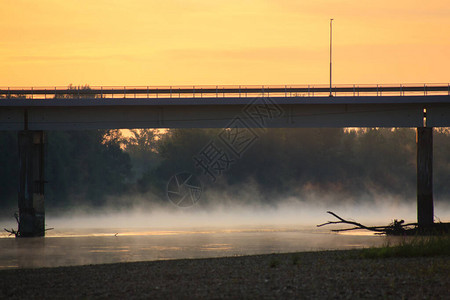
<point x="331" y="44"/>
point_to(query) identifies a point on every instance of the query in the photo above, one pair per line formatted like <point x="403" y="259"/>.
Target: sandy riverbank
<point x="311" y="275"/>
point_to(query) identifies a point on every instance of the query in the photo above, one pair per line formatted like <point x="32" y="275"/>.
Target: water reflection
<point x="81" y="247"/>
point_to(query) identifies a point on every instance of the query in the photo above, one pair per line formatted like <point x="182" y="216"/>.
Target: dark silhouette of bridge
<point x="31" y="111"/>
<point x="224" y="91"/>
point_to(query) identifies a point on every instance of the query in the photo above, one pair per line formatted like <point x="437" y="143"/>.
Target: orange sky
<point x="173" y="42"/>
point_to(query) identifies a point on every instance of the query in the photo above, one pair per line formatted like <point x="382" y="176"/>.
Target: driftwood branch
<point x="17" y="232"/>
<point x="396" y="227"/>
<point x="12" y="231"/>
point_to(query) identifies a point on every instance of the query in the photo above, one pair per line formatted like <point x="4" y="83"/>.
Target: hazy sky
<point x="172" y="42"/>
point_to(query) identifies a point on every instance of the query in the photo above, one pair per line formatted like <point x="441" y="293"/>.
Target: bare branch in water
<point x="396" y="227"/>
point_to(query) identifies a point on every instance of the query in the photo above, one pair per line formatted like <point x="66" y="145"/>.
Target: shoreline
<point x="323" y="274"/>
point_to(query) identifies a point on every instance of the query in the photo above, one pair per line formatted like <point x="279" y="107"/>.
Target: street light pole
<point x="331" y="43"/>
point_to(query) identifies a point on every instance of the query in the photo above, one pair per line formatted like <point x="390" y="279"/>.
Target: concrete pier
<point x="31" y="183"/>
<point x="425" y="210"/>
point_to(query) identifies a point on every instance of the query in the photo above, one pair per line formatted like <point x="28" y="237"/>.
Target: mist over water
<point x="303" y="215"/>
<point x="243" y="209"/>
<point x="154" y="232"/>
<point x="237" y="209"/>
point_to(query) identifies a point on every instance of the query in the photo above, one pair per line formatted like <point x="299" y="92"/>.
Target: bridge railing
<point x="222" y="91"/>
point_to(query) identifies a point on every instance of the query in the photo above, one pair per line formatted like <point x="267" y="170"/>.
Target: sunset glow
<point x="174" y="42"/>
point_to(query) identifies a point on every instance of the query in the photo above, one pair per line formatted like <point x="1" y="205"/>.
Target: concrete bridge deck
<point x="224" y="91"/>
<point x="215" y="107"/>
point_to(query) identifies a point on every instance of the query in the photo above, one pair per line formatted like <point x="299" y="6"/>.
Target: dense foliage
<point x="292" y="162"/>
<point x="82" y="169"/>
<point x="88" y="168"/>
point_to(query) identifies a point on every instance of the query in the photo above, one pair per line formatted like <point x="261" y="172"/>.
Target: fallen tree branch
<point x="11" y="232"/>
<point x="396" y="227"/>
<point x="17" y="232"/>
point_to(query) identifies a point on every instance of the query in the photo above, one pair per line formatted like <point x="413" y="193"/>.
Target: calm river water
<point x="70" y="247"/>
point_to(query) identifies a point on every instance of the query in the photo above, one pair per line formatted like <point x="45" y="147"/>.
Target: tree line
<point x="89" y="168"/>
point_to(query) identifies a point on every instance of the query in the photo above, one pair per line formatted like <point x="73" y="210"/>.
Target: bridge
<point x="75" y="108"/>
<point x="32" y="111"/>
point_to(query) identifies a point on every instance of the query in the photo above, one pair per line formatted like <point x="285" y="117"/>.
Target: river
<point x="69" y="247"/>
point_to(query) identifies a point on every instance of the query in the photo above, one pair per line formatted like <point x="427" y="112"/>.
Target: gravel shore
<point x="309" y="275"/>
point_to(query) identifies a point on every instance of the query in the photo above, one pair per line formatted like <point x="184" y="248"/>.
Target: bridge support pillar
<point x="425" y="210"/>
<point x="31" y="183"/>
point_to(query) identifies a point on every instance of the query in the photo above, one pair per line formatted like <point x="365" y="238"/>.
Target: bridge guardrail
<point x="223" y="91"/>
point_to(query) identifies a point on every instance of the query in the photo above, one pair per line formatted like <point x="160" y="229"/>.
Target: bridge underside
<point x="80" y="114"/>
